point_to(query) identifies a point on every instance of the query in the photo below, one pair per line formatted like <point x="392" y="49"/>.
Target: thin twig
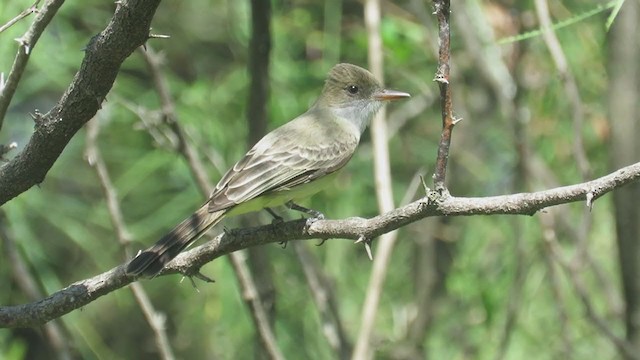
<point x="170" y="118"/>
<point x="55" y="331"/>
<point x="568" y="226"/>
<point x="575" y="278"/>
<point x="155" y="319"/>
<point x="26" y="12"/>
<point x="81" y="101"/>
<point x="197" y="168"/>
<point x="84" y="292"/>
<point x="570" y="86"/>
<point x="258" y="312"/>
<point x="515" y="292"/>
<point x="549" y="237"/>
<point x="27" y="43"/>
<point x="261" y="267"/>
<point x="573" y="94"/>
<point x="442" y="12"/>
<point x="325" y="300"/>
<point x="384" y="190"/>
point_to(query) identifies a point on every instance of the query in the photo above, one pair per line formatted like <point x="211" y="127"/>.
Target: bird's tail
<point x="151" y="261"/>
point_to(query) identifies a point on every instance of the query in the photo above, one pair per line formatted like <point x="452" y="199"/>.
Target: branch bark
<point x="189" y="263"/>
<point x="105" y="53"/>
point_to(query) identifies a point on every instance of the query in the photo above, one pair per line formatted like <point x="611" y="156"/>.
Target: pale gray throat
<point x="359" y="113"/>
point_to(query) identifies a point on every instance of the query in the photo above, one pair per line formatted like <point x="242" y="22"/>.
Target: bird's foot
<point x="277" y="219"/>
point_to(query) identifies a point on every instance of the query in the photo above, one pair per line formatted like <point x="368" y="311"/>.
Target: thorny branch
<point x="442" y="11"/>
<point x="84" y="292"/>
<point x="128" y="29"/>
<point x="26" y="44"/>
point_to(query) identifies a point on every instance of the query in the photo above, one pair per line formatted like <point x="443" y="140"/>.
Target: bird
<point x="290" y="163"/>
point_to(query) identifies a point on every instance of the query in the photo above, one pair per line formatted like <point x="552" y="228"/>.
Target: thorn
<point x="193" y="283"/>
<point x="100" y="100"/>
<point x="203" y="277"/>
<point x="283" y="244"/>
<point x="441" y="79"/>
<point x="590" y="200"/>
<point x="456" y="120"/>
<point x="36" y="116"/>
<point x="322" y="241"/>
<point x="22" y="42"/>
<point x="367" y="246"/>
<point x="159" y="36"/>
<point x="424" y="185"/>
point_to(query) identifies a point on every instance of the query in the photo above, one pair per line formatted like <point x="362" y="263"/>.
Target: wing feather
<point x="280" y="163"/>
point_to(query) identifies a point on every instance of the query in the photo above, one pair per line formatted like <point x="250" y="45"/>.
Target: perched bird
<point x="290" y="163"/>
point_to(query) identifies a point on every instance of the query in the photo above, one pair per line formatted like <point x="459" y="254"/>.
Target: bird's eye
<point x="353" y="89"/>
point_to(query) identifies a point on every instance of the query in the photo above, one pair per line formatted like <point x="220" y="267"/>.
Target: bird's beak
<point x="388" y="95"/>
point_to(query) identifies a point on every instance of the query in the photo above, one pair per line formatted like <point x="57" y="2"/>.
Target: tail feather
<point x="151" y="261"/>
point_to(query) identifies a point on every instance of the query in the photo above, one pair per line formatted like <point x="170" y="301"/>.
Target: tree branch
<point x="128" y="29"/>
<point x="84" y="292"/>
<point x="27" y="43"/>
<point x="26" y="12"/>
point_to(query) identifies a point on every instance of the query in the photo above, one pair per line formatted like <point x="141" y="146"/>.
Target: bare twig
<point x="243" y="274"/>
<point x="571" y="89"/>
<point x="26" y="12"/>
<point x="442" y="78"/>
<point x="258" y="312"/>
<point x="570" y="86"/>
<point x="575" y="278"/>
<point x="94" y="158"/>
<point x="82" y="99"/>
<point x="325" y="300"/>
<point x="384" y="193"/>
<point x="565" y="223"/>
<point x="549" y="237"/>
<point x="515" y="292"/>
<point x="261" y="269"/>
<point x="154" y="318"/>
<point x="170" y="118"/>
<point x="27" y="43"/>
<point x="55" y="332"/>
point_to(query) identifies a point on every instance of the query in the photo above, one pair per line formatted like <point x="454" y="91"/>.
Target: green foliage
<point x="64" y="232"/>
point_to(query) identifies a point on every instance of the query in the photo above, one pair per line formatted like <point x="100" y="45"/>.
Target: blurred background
<point x="559" y="284"/>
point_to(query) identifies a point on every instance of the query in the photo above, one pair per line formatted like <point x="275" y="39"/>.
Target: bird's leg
<point x="276" y="218"/>
<point x="315" y="214"/>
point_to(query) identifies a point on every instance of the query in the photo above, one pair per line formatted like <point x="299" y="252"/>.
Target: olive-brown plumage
<point x="289" y="163"/>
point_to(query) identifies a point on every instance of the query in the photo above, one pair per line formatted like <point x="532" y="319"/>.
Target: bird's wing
<point x="282" y="164"/>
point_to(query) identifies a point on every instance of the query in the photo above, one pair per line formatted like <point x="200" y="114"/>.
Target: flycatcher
<point x="290" y="163"/>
